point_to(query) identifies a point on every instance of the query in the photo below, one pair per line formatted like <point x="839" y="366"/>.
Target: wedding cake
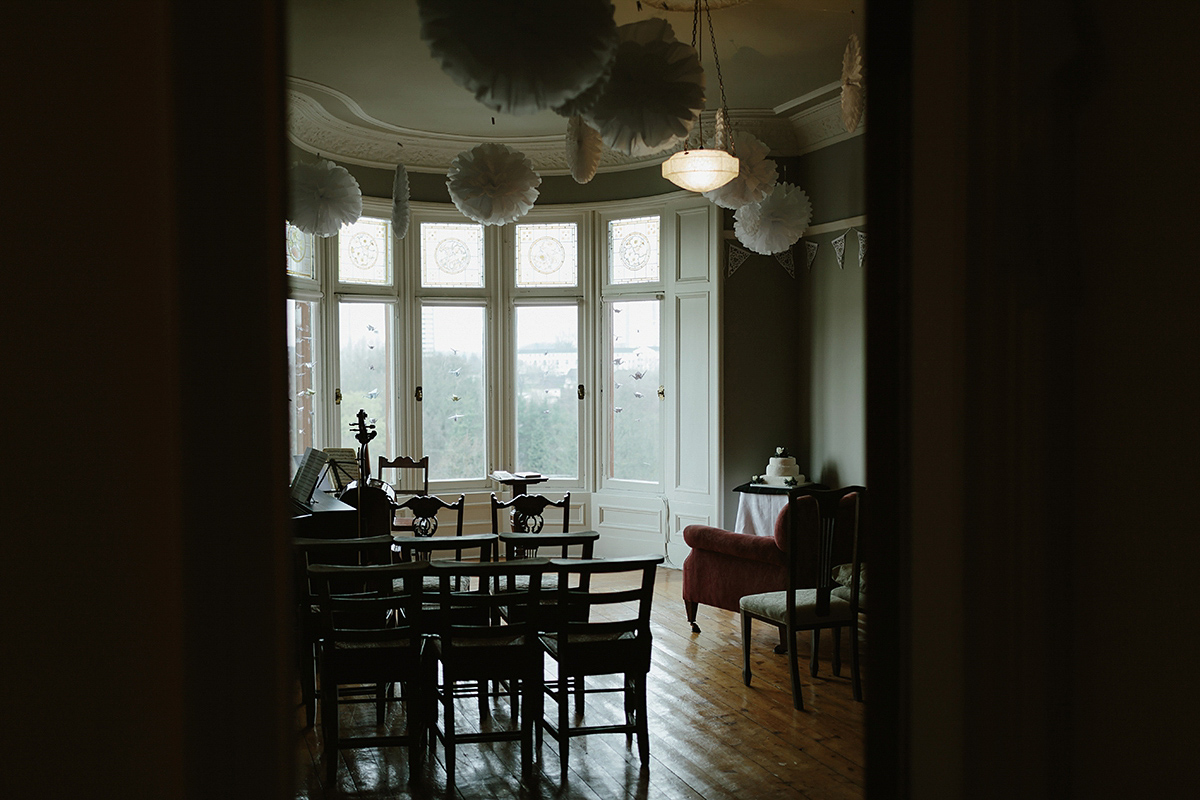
<point x="782" y="470"/>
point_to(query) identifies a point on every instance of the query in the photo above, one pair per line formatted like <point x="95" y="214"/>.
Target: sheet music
<point x="343" y="465"/>
<point x="307" y="476"/>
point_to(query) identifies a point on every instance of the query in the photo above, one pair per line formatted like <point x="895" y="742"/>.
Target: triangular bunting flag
<point x="862" y="248"/>
<point x="839" y="249"/>
<point x="786" y="260"/>
<point x="735" y="256"/>
<point x="812" y="253"/>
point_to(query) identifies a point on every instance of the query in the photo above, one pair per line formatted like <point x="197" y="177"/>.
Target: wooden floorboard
<point x="711" y="737"/>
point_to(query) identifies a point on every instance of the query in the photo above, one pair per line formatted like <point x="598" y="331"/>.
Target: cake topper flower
<point x="781" y="452"/>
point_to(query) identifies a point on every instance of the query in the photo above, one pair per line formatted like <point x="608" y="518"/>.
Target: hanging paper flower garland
<point x="583" y="150"/>
<point x="853" y="84"/>
<point x="322" y="198"/>
<point x="776" y="223"/>
<point x="655" y="93"/>
<point x="400" y="202"/>
<point x="756" y="174"/>
<point x="520" y="58"/>
<point x="493" y="184"/>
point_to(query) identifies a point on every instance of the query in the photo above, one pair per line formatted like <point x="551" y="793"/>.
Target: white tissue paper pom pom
<point x="854" y="84"/>
<point x="776" y="222"/>
<point x="400" y="202"/>
<point x="322" y="198"/>
<point x="756" y="174"/>
<point x="520" y="58"/>
<point x="493" y="184"/>
<point x="655" y="92"/>
<point x="583" y="150"/>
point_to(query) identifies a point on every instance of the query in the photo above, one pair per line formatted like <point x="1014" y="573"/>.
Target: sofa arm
<point x="737" y="545"/>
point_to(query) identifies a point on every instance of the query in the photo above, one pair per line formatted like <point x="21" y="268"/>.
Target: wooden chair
<point x="425" y="510"/>
<point x="527" y="512"/>
<point x="529" y="535"/>
<point x="476" y="651"/>
<point x="617" y="642"/>
<point x="374" y="637"/>
<point x="413" y="479"/>
<point x="824" y="530"/>
<point x="308" y="552"/>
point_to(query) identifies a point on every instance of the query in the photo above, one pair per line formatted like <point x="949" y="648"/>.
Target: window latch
<point x="581" y="392"/>
<point x="418" y="394"/>
<point x="662" y="393"/>
<point x="337" y="397"/>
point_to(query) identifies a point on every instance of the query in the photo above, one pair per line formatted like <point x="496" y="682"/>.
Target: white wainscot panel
<point x="629" y="529"/>
<point x="693" y="458"/>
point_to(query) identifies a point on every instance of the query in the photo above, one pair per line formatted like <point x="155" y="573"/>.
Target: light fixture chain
<point x="696" y="45"/>
<point x="716" y="60"/>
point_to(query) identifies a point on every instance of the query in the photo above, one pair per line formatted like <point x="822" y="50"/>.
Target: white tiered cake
<point x="782" y="470"/>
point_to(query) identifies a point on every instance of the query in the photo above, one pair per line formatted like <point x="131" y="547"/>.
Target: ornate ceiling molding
<point x="807" y="124"/>
<point x="816" y="119"/>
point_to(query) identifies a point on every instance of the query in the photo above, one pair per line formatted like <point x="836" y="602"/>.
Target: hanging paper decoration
<point x="862" y="248"/>
<point x="583" y="149"/>
<point x="521" y="58"/>
<point x="756" y="174"/>
<point x="655" y="93"/>
<point x="735" y="256"/>
<point x="493" y="184"/>
<point x="776" y="222"/>
<point x="400" y="202"/>
<point x="812" y="253"/>
<point x="322" y="198"/>
<point x="787" y="262"/>
<point x="581" y="104"/>
<point x="853" y="84"/>
<point x="839" y="249"/>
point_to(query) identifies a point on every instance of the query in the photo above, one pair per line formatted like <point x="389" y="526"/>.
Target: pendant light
<point x="703" y="169"/>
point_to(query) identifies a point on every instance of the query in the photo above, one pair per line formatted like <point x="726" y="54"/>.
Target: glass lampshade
<point x="700" y="170"/>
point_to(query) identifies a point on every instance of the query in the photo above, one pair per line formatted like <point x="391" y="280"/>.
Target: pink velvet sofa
<point x="725" y="566"/>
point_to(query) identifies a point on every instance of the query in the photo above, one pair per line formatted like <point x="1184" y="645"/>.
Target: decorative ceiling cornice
<point x="816" y="119"/>
<point x="807" y="124"/>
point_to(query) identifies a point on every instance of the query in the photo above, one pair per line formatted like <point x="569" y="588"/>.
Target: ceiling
<point x="363" y="87"/>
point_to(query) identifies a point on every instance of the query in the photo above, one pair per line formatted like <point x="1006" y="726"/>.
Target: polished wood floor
<point x="710" y="736"/>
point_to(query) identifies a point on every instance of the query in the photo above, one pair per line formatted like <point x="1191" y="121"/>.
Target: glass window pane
<point x="365" y="348"/>
<point x="547" y="378"/>
<point x="302" y="372"/>
<point x="633" y="250"/>
<point x="299" y="253"/>
<point x="451" y="254"/>
<point x="633" y="407"/>
<point x="547" y="255"/>
<point x="365" y="252"/>
<point x="454" y="394"/>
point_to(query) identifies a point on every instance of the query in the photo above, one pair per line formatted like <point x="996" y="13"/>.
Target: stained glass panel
<point x="547" y="254"/>
<point x="365" y="252"/>
<point x="633" y="250"/>
<point x="299" y="253"/>
<point x="451" y="254"/>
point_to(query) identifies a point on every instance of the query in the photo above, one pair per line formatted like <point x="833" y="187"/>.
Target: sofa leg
<point x="691" y="614"/>
<point x="782" y="647"/>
